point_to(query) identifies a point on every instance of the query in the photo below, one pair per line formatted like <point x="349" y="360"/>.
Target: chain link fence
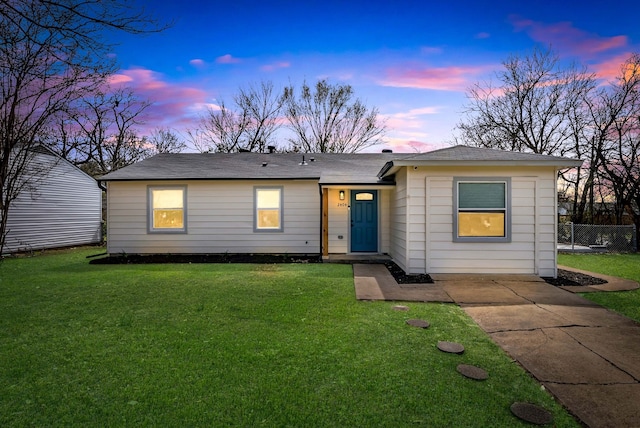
<point x="592" y="237"/>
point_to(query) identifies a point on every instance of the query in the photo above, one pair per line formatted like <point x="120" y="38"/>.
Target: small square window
<point x="167" y="209"/>
<point x="482" y="210"/>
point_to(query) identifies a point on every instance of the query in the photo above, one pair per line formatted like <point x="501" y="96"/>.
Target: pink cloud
<point x="275" y="66"/>
<point x="419" y="111"/>
<point x="227" y="59"/>
<point x="409" y="120"/>
<point x="611" y="68"/>
<point x="197" y="63"/>
<point x="430" y="50"/>
<point x="395" y="122"/>
<point x="568" y="39"/>
<point x="119" y="79"/>
<point x="408" y="146"/>
<point x="436" y="78"/>
<point x="174" y="106"/>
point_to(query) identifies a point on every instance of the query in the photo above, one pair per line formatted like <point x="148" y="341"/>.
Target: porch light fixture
<point x="341" y="195"/>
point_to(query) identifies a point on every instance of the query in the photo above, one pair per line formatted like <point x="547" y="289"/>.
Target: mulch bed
<point x="207" y="258"/>
<point x="564" y="278"/>
<point x="402" y="278"/>
<point x="568" y="278"/>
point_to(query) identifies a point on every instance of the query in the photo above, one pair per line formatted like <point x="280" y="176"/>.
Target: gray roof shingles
<point x="327" y="168"/>
<point x="465" y="153"/>
<point x="238" y="166"/>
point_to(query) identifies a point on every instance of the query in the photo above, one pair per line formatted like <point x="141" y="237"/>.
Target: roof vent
<point x="264" y="164"/>
<point x="312" y="159"/>
<point x="304" y="162"/>
<point x="387" y="151"/>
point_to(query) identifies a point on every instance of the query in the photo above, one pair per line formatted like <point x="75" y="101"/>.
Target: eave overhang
<point x="392" y="167"/>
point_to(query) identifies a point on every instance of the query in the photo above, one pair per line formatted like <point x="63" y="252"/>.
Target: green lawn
<point x="236" y="345"/>
<point x="620" y="265"/>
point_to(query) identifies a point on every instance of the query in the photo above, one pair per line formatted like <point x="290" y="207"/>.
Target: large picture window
<point x="167" y="211"/>
<point x="482" y="210"/>
<point x="268" y="209"/>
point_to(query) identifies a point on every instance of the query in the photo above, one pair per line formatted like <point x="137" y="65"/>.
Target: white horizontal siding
<point x="338" y="212"/>
<point x="64" y="210"/>
<point x="339" y="221"/>
<point x="220" y="219"/>
<point x="398" y="227"/>
<point x="384" y="220"/>
<point x="438" y="220"/>
<point x="547" y="225"/>
<point x="532" y="246"/>
<point x="416" y="219"/>
<point x="518" y="256"/>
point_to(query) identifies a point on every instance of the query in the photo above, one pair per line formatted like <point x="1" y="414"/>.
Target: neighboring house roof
<point x="328" y="168"/>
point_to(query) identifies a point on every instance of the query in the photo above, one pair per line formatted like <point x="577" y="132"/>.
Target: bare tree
<point x="262" y="106"/>
<point x="532" y="108"/>
<point x="539" y="106"/>
<point x="325" y="119"/>
<point x="250" y="126"/>
<point x="220" y="130"/>
<point x="114" y="118"/>
<point x="542" y="107"/>
<point x="78" y="25"/>
<point x="584" y="179"/>
<point x="164" y="140"/>
<point x="616" y="137"/>
<point x="52" y="52"/>
<point x="99" y="132"/>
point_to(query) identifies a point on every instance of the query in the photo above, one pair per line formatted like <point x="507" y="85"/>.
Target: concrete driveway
<point x="587" y="356"/>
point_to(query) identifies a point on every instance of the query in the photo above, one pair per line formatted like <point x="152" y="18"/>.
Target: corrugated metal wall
<point x="65" y="210"/>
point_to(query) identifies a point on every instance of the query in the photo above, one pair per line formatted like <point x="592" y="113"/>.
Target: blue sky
<point x="413" y="60"/>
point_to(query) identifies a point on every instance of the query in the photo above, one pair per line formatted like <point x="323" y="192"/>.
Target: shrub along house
<point x="455" y="210"/>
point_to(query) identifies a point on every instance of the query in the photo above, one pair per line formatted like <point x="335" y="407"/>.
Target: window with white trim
<point x="268" y="209"/>
<point x="482" y="210"/>
<point x="167" y="212"/>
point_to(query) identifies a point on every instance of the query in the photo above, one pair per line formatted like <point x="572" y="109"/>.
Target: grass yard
<point x="236" y="345"/>
<point x="620" y="265"/>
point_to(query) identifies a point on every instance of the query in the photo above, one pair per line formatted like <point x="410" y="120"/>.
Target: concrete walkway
<point x="587" y="356"/>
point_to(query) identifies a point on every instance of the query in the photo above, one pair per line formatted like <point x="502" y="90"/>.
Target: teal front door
<point x="364" y="221"/>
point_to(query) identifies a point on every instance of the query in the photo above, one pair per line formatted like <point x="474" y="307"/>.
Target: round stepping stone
<point x="401" y="308"/>
<point x="472" y="372"/>
<point x="418" y="323"/>
<point x="532" y="413"/>
<point x="450" y="347"/>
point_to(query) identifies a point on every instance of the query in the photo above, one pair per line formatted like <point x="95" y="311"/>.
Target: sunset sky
<point x="413" y="60"/>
